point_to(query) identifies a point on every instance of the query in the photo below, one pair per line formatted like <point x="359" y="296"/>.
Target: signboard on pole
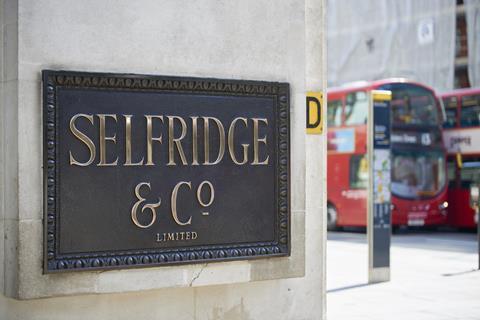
<point x="379" y="200"/>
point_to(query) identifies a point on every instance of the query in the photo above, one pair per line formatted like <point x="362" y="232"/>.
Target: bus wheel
<point x="331" y="217"/>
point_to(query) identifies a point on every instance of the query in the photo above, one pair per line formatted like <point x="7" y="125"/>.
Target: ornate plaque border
<point x="55" y="262"/>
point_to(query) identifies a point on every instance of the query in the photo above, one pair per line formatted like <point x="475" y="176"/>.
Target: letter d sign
<point x="314" y="113"/>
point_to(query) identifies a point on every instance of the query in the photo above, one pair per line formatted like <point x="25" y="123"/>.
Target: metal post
<point x="475" y="205"/>
<point x="477" y="213"/>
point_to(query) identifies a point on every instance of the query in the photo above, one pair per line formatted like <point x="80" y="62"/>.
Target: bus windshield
<point x="417" y="174"/>
<point x="412" y="104"/>
<point x="470" y="113"/>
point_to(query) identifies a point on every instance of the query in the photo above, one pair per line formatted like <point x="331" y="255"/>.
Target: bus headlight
<point x="442" y="207"/>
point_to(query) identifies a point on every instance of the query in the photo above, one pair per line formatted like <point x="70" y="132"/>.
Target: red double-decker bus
<point x="462" y="141"/>
<point x="419" y="193"/>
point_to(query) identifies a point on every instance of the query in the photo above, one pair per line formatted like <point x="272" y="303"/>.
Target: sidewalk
<point x="433" y="276"/>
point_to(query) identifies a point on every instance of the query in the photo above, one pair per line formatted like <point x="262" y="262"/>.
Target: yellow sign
<point x="314" y="113"/>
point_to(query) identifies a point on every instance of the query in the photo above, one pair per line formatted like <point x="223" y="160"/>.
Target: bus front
<point x="419" y="193"/>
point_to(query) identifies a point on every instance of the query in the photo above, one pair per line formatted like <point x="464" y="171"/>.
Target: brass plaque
<point x="151" y="170"/>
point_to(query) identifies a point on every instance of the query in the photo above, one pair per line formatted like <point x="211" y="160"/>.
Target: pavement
<point x="434" y="275"/>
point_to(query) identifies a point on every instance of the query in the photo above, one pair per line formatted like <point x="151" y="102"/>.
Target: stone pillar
<point x="281" y="40"/>
<point x="316" y="146"/>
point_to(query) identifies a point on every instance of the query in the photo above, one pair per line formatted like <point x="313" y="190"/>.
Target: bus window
<point x="358" y="172"/>
<point x="417" y="174"/>
<point x="334" y="113"/>
<point x="356" y="108"/>
<point x="470" y="173"/>
<point x="450" y="111"/>
<point x="451" y="167"/>
<point x="412" y="104"/>
<point x="470" y="112"/>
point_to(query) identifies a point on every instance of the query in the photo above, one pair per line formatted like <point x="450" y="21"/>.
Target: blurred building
<point x="436" y="42"/>
<point x="467" y="44"/>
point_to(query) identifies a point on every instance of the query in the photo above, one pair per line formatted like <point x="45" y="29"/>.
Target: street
<point x="433" y="276"/>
